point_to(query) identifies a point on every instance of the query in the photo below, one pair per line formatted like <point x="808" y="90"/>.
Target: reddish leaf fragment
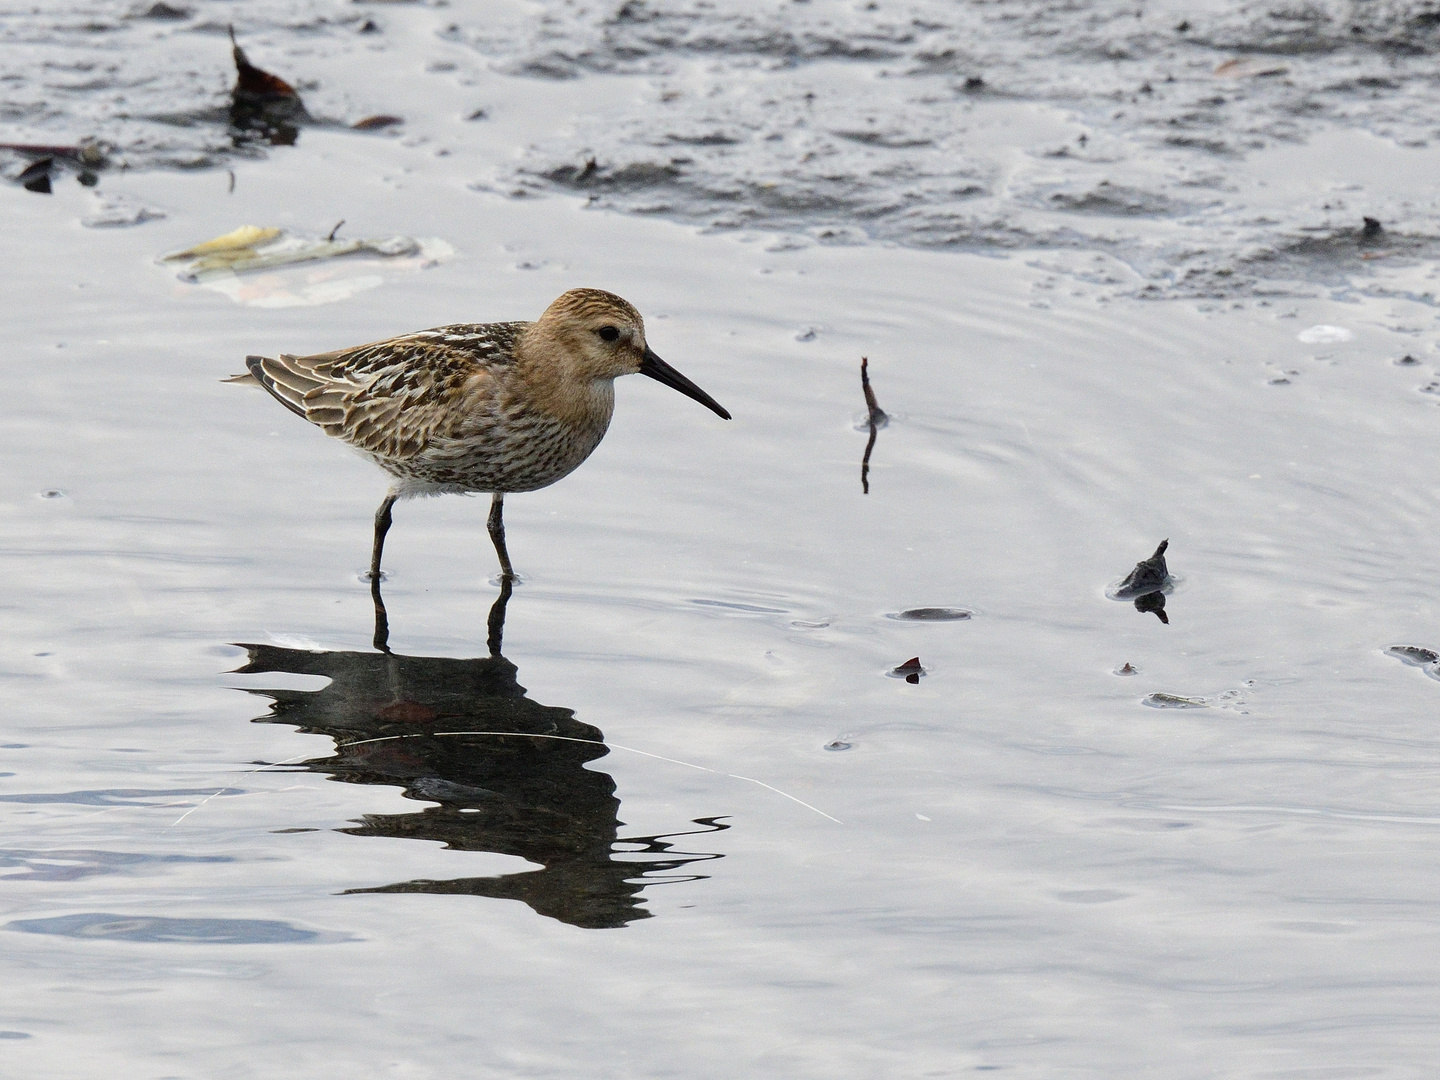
<point x="372" y="123"/>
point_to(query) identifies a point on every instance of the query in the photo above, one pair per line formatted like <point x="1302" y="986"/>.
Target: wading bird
<point x="498" y="407"/>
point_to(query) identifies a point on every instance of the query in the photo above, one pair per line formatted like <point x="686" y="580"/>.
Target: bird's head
<point x="602" y="337"/>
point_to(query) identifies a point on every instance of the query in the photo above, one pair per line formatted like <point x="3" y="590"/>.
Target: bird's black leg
<point x="496" y="525"/>
<point x="382" y="526"/>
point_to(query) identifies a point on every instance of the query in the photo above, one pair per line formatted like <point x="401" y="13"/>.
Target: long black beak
<point x="660" y="371"/>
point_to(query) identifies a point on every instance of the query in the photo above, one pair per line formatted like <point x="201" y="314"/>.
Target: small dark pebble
<point x="1126" y="669"/>
<point x="36" y="176"/>
<point x="910" y="671"/>
<point x="369" y="26"/>
<point x="165" y="11"/>
<point x="1407" y="361"/>
<point x="52" y="493"/>
<point x="478" y="114"/>
<point x="1372" y="228"/>
<point x="1184" y="27"/>
<point x="931" y="614"/>
<point x="837" y="744"/>
<point x="974" y="83"/>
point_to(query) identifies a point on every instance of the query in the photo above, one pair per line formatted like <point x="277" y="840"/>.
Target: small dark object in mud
<point x="263" y="105"/>
<point x="164" y="11"/>
<point x="1153" y="601"/>
<point x="1184" y="27"/>
<point x="1148" y="576"/>
<point x="910" y="671"/>
<point x="1127" y="669"/>
<point x="591" y="167"/>
<point x="369" y="26"/>
<point x="931" y="614"/>
<point x="478" y="114"/>
<point x="1406" y="361"/>
<point x="373" y="123"/>
<point x="837" y="744"/>
<point x="876" y="418"/>
<point x="974" y="84"/>
<point x="1372" y="229"/>
<point x="36" y="176"/>
<point x="335" y="230"/>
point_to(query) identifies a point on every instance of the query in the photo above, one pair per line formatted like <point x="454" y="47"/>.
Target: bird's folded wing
<point x="389" y="398"/>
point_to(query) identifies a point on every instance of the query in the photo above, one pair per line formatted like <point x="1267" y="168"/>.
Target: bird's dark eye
<point x="609" y="333"/>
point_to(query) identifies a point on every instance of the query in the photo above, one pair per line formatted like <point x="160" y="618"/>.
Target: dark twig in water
<point x="231" y="189"/>
<point x="335" y="230"/>
<point x="877" y="419"/>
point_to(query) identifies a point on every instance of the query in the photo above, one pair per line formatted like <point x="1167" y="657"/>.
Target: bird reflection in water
<point x="511" y="779"/>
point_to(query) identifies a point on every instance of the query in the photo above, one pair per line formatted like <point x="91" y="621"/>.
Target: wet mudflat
<point x="678" y="820"/>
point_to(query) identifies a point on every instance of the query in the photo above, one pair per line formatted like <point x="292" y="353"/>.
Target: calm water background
<point x="1025" y="863"/>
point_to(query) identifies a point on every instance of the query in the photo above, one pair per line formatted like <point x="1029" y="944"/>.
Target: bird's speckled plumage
<point x="499" y="407"/>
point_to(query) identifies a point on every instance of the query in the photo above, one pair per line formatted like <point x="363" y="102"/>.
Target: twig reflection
<point x="876" y="418"/>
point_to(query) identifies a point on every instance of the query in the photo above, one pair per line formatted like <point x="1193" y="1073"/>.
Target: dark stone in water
<point x="262" y="106"/>
<point x="1148" y="576"/>
<point x="1413" y="655"/>
<point x="1174" y="701"/>
<point x="837" y="744"/>
<point x="1372" y="228"/>
<point x="931" y="614"/>
<point x="910" y="671"/>
<point x="36" y="176"/>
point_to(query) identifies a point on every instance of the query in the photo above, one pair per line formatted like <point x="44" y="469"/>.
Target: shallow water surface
<point x="660" y="811"/>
